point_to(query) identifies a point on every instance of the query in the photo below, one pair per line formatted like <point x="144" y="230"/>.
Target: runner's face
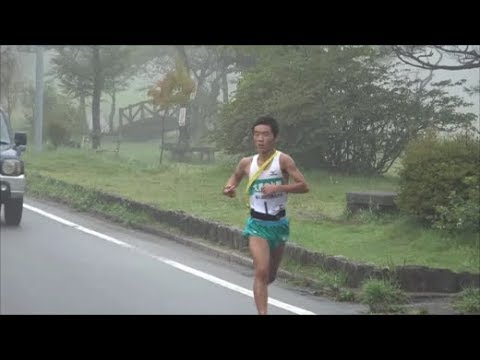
<point x="263" y="138"/>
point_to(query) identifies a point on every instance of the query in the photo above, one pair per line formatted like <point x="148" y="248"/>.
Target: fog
<point x="137" y="92"/>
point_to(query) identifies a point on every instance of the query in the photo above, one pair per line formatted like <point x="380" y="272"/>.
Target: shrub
<point x="440" y="181"/>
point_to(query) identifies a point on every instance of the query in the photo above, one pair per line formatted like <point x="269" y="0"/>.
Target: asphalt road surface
<point x="59" y="261"/>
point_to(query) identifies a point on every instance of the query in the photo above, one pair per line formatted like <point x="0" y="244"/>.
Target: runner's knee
<point x="262" y="273"/>
<point x="272" y="278"/>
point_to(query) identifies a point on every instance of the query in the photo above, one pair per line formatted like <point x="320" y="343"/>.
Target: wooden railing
<point x="142" y="111"/>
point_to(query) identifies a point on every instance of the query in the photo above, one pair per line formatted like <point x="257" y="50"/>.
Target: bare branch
<point x="411" y="56"/>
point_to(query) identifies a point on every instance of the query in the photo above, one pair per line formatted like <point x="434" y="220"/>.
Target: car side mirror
<point x="20" y="138"/>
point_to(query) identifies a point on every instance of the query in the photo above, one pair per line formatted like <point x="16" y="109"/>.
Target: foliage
<point x="63" y="123"/>
<point x="430" y="57"/>
<point x="10" y="77"/>
<point x="174" y="89"/>
<point x="468" y="301"/>
<point x="339" y="107"/>
<point x="440" y="181"/>
<point x="382" y="296"/>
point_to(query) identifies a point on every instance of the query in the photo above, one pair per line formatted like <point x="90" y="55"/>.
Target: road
<point x="59" y="261"/>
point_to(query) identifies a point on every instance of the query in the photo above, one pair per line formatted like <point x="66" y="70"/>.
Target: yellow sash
<point x="256" y="175"/>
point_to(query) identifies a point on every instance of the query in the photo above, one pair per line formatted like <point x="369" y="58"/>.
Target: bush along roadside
<point x="383" y="296"/>
<point x="131" y="213"/>
<point x="468" y="301"/>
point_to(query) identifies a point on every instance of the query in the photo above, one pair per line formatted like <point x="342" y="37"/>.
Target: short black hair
<point x="267" y="120"/>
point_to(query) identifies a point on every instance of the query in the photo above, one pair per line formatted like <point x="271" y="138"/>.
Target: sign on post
<point x="181" y="118"/>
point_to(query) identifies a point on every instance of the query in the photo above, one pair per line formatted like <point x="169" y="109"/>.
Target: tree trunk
<point x="97" y="93"/>
<point x="196" y="127"/>
<point x="225" y="85"/>
<point x="163" y="134"/>
<point x="9" y="103"/>
<point x="10" y="96"/>
<point x="112" y="112"/>
<point x="83" y="114"/>
<point x="184" y="135"/>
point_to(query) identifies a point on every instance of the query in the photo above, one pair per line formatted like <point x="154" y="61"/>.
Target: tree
<point x="430" y="57"/>
<point x="88" y="71"/>
<point x="10" y="82"/>
<point x="98" y="82"/>
<point x="121" y="64"/>
<point x="210" y="67"/>
<point x="62" y="118"/>
<point x="339" y="107"/>
<point x="174" y="89"/>
<point x="72" y="67"/>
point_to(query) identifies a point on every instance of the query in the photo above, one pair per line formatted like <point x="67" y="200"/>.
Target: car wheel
<point x="13" y="211"/>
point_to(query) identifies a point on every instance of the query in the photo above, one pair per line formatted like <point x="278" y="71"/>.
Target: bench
<point x="204" y="152"/>
<point x="373" y="200"/>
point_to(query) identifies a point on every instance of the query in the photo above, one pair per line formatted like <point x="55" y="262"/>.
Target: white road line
<point x="177" y="265"/>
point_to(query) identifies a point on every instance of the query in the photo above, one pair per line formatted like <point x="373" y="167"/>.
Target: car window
<point x="4" y="134"/>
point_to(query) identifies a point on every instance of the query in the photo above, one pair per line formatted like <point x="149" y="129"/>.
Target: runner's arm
<point x="299" y="185"/>
<point x="235" y="178"/>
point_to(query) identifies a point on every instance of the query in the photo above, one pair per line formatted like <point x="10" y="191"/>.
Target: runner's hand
<point x="229" y="190"/>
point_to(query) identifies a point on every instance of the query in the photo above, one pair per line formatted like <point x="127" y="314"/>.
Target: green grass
<point x="317" y="218"/>
<point x="382" y="296"/>
<point x="468" y="301"/>
<point x="330" y="283"/>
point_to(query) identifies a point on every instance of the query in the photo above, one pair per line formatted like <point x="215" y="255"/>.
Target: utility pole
<point x="38" y="126"/>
